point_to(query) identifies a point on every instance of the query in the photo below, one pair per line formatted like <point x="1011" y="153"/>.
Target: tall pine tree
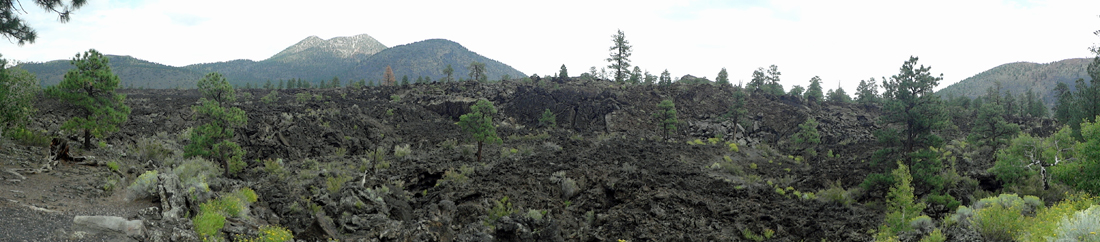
<point x="90" y="86"/>
<point x="620" y="57"/>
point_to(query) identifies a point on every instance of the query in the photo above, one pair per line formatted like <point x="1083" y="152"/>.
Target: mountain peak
<point x="342" y="47"/>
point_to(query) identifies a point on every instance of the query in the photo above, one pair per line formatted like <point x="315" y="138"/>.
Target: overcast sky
<point x="840" y="41"/>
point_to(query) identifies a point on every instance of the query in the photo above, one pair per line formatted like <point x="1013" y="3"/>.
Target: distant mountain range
<point x="1020" y="76"/>
<point x="353" y="58"/>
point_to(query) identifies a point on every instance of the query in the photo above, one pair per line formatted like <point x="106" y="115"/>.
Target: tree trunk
<point x="479" y="143"/>
<point x="87" y="139"/>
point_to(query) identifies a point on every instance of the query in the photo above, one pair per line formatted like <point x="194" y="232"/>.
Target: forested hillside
<point x="312" y="60"/>
<point x="133" y="72"/>
<point x="428" y="59"/>
<point x="1018" y="77"/>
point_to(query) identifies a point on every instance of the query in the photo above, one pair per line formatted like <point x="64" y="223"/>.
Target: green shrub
<point x="1047" y="220"/>
<point x="395" y="98"/>
<point x="1081" y="226"/>
<point x="837" y="194"/>
<point x="1000" y="218"/>
<point x="548" y="119"/>
<point x="302" y="97"/>
<point x="749" y="235"/>
<point x="456" y="177"/>
<point x="945" y="200"/>
<point x="922" y="223"/>
<point x="144" y="186"/>
<point x="271" y="97"/>
<point x="333" y="184"/>
<point x="935" y="236"/>
<point x="209" y="221"/>
<point x="193" y="174"/>
<point x="501" y="209"/>
<point x="733" y="147"/>
<point x="113" y="166"/>
<point x="275" y="167"/>
<point x="25" y="136"/>
<point x="401" y="150"/>
<point x="148" y="148"/>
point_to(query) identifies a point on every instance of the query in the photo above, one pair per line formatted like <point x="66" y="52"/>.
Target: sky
<point x="840" y="41"/>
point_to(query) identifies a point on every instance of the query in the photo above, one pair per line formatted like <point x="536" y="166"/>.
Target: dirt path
<point x="42" y="206"/>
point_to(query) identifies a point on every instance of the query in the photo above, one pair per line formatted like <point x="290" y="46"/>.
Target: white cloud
<point x="841" y="41"/>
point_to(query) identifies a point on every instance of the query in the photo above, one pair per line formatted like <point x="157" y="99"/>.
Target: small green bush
<point x="333" y="184"/>
<point x="749" y="235"/>
<point x="945" y="200"/>
<point x="271" y="97"/>
<point x="733" y="147"/>
<point x="401" y="150"/>
<point x="837" y="194"/>
<point x="395" y="98"/>
<point x="209" y="221"/>
<point x="113" y="166"/>
<point x="935" y="236"/>
<point x="148" y="148"/>
<point x="302" y="97"/>
<point x="25" y="136"/>
<point x="501" y="209"/>
<point x="548" y="119"/>
<point x="144" y="186"/>
<point x="996" y="221"/>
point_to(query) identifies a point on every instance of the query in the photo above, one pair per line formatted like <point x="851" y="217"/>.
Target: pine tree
<point x="620" y="57"/>
<point x="636" y="76"/>
<point x="90" y="86"/>
<point x="563" y="73"/>
<point x="666" y="117"/>
<point x="388" y="79"/>
<point x="723" y="78"/>
<point x="901" y="204"/>
<point x="1063" y="104"/>
<point x="13" y="27"/>
<point x="758" y="80"/>
<point x="650" y="79"/>
<point x="548" y="119"/>
<point x="796" y="91"/>
<point x="405" y="80"/>
<point x="665" y="79"/>
<point x="867" y="92"/>
<point x="990" y="127"/>
<point x="807" y="137"/>
<point x="449" y="72"/>
<point x="915" y="108"/>
<point x="1035" y="106"/>
<point x="336" y="82"/>
<point x="772" y="86"/>
<point x="281" y="86"/>
<point x="477" y="71"/>
<point x="839" y="95"/>
<point x="213" y="138"/>
<point x="813" y="94"/>
<point x="479" y="124"/>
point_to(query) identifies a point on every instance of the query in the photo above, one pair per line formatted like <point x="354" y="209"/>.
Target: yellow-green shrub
<point x="1081" y="226"/>
<point x="1046" y="220"/>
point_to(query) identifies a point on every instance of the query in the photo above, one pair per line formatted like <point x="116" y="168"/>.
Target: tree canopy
<point x="14" y="27"/>
<point x="479" y="124"/>
<point x="90" y="86"/>
<point x="620" y="56"/>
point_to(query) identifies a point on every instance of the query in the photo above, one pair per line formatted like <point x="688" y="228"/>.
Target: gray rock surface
<point x="109" y="225"/>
